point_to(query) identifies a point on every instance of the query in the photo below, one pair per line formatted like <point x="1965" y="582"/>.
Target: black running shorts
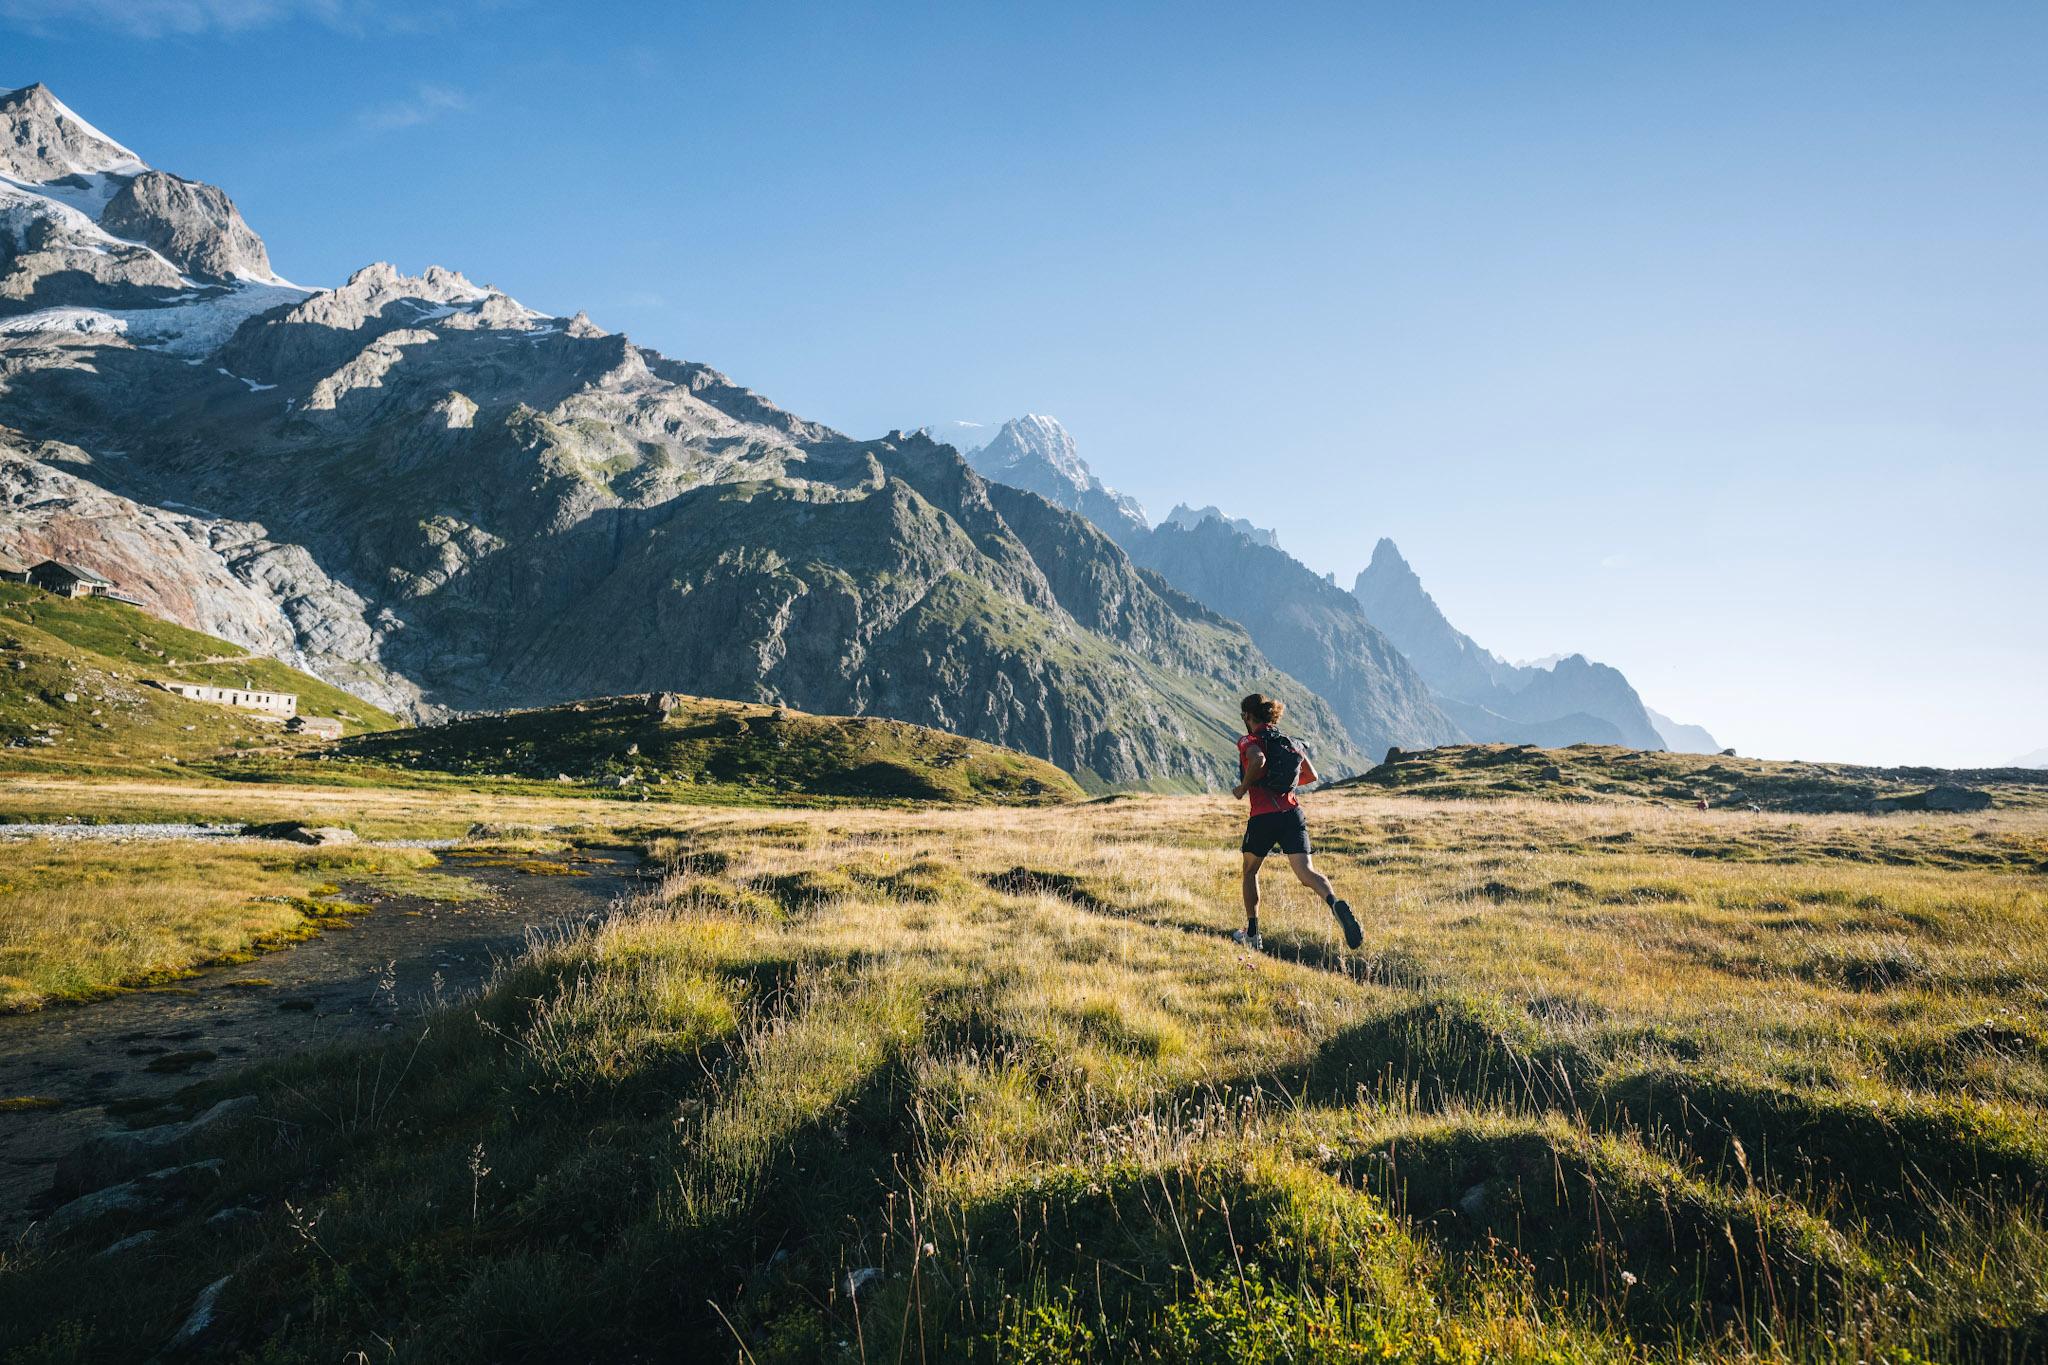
<point x="1284" y="828"/>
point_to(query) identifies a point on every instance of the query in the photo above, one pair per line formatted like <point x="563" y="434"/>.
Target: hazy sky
<point x="1710" y="340"/>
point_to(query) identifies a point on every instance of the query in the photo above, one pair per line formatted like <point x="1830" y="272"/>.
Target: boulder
<point x="661" y="703"/>
<point x="299" y="832"/>
<point x="111" y="1156"/>
<point x="1957" y="799"/>
<point x="1393" y="755"/>
<point x="129" y="1243"/>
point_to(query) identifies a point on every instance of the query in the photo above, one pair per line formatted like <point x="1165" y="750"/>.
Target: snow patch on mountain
<point x="194" y="325"/>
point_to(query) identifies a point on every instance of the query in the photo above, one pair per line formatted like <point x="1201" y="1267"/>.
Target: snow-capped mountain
<point x="422" y="491"/>
<point x="98" y="242"/>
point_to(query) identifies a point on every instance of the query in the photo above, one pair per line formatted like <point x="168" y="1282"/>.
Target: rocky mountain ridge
<point x="1306" y="625"/>
<point x="1188" y="518"/>
<point x="1571" y="700"/>
<point x="1384" y="655"/>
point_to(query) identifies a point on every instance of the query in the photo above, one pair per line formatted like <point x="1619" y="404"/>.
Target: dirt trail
<point x="348" y="983"/>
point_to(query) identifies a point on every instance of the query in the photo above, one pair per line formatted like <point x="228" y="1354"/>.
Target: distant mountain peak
<point x="1388" y="562"/>
<point x="1037" y="454"/>
<point x="1035" y="436"/>
<point x="1189" y="518"/>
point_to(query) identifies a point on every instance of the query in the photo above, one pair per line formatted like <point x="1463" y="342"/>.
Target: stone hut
<point x="68" y="580"/>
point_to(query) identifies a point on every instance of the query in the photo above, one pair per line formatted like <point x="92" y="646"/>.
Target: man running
<point x="1273" y="766"/>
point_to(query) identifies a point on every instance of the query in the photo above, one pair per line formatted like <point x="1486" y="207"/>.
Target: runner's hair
<point x="1263" y="709"/>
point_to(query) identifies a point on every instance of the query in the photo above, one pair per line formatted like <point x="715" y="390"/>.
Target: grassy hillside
<point x="731" y="748"/>
<point x="101" y="652"/>
<point x="1607" y="1083"/>
<point x="1598" y="772"/>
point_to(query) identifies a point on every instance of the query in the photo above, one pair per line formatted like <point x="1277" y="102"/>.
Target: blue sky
<point x="1711" y="340"/>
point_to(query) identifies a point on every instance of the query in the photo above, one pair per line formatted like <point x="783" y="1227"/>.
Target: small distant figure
<point x="1703" y="803"/>
<point x="1273" y="766"/>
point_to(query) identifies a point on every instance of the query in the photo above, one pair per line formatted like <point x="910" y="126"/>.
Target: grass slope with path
<point x="1607" y="773"/>
<point x="1608" y="1082"/>
<point x="102" y="652"/>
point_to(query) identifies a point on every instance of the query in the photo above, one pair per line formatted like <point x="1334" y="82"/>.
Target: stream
<point x="366" y="975"/>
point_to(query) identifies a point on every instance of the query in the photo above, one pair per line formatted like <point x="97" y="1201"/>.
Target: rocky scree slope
<point x="428" y="492"/>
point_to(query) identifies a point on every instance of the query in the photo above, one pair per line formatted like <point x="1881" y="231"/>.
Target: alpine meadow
<point x="518" y="847"/>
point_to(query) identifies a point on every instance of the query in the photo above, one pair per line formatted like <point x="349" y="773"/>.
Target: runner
<point x="1273" y="766"/>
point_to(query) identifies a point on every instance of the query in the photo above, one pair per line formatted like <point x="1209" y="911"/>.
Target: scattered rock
<point x="110" y="1156"/>
<point x="853" y="1281"/>
<point x="1957" y="798"/>
<point x="1393" y="755"/>
<point x="229" y="1219"/>
<point x="661" y="703"/>
<point x="181" y="1061"/>
<point x="1473" y="1201"/>
<point x="200" y="1320"/>
<point x="157" y="1192"/>
<point x="1551" y="773"/>
<point x="1727" y="753"/>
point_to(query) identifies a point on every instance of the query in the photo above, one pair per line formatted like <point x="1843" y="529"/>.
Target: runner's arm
<point x="1308" y="773"/>
<point x="1253" y="760"/>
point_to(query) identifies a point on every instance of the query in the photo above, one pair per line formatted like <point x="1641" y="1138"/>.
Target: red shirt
<point x="1265" y="801"/>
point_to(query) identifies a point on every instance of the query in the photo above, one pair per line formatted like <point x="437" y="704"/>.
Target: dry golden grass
<point x="375" y="813"/>
<point x="1604" y="1083"/>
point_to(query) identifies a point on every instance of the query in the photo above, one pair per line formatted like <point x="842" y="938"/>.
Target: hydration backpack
<point x="1283" y="761"/>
